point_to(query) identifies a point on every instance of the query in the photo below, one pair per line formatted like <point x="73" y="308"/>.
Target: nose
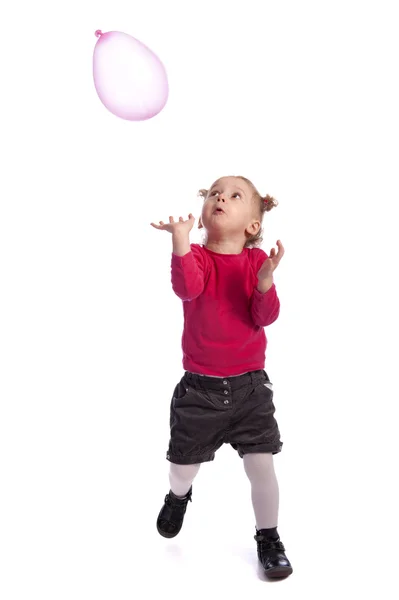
<point x="221" y="198"/>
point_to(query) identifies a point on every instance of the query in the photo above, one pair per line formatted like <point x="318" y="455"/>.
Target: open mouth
<point x="218" y="211"/>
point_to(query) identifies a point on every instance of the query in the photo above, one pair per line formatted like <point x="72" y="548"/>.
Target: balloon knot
<point x="98" y="33"/>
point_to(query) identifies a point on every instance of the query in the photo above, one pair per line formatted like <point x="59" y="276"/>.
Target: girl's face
<point x="229" y="209"/>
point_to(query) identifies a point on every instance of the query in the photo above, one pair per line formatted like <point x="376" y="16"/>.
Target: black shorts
<point x="207" y="412"/>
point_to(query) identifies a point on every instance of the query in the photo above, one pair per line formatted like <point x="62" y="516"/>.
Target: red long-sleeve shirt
<point x="224" y="313"/>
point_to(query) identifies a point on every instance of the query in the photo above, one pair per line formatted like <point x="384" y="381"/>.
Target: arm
<point x="265" y="304"/>
<point x="181" y="243"/>
<point x="187" y="268"/>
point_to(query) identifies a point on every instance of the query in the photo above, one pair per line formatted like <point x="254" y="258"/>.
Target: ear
<point x="254" y="228"/>
<point x="200" y="225"/>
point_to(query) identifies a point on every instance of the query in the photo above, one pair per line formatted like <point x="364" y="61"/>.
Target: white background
<point x="302" y="98"/>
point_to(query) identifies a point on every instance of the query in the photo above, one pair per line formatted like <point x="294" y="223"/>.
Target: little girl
<point x="225" y="395"/>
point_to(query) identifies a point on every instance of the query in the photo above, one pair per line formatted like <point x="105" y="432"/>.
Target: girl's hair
<point x="264" y="204"/>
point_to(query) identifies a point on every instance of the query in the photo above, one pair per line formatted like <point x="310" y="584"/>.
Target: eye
<point x="237" y="194"/>
<point x="214" y="192"/>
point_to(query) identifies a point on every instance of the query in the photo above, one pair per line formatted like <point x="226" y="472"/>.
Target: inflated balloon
<point x="129" y="78"/>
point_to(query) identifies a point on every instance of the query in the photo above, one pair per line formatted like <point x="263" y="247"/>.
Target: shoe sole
<point x="279" y="572"/>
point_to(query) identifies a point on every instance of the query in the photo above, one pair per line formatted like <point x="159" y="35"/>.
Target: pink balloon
<point x="129" y="78"/>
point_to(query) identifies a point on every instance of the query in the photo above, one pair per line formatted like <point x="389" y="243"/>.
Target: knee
<point x="183" y="473"/>
<point x="257" y="465"/>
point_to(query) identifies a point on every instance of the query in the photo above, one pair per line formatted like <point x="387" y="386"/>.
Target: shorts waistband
<point x="233" y="381"/>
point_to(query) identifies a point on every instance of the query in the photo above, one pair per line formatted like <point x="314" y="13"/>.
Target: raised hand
<point x="176" y="226"/>
<point x="271" y="263"/>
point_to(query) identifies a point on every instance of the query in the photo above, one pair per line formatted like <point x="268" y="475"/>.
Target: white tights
<point x="264" y="486"/>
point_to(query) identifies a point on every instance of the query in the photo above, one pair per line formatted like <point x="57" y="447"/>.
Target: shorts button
<point x="225" y="382"/>
<point x="226" y="402"/>
<point x="226" y="392"/>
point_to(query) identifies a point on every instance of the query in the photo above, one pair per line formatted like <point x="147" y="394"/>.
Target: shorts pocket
<point x="263" y="392"/>
<point x="181" y="391"/>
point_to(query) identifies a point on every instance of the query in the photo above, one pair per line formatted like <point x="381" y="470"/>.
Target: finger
<point x="181" y="219"/>
<point x="171" y="220"/>
<point x="280" y="255"/>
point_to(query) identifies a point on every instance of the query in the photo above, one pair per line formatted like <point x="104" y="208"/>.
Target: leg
<point x="197" y="428"/>
<point x="264" y="488"/>
<point x="171" y="517"/>
<point x="265" y="500"/>
<point x="181" y="478"/>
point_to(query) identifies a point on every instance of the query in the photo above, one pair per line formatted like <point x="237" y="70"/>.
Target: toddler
<point x="225" y="396"/>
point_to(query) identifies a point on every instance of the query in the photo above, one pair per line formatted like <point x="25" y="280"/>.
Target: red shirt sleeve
<point x="188" y="273"/>
<point x="265" y="308"/>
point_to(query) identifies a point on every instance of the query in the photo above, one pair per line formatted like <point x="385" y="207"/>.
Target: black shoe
<point x="170" y="519"/>
<point x="271" y="553"/>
